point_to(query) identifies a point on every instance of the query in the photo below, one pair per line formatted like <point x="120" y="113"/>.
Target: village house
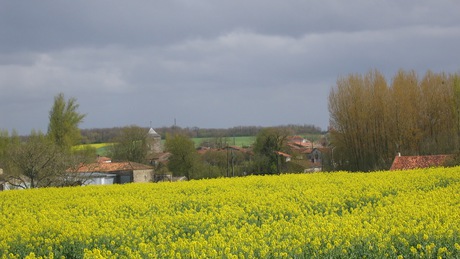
<point x="299" y="141"/>
<point x="311" y="153"/>
<point x="299" y="147"/>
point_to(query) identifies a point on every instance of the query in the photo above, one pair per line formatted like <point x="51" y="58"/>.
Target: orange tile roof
<point x="282" y="154"/>
<point x="113" y="167"/>
<point x="412" y="162"/>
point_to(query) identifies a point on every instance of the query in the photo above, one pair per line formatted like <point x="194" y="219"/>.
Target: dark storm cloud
<point x="47" y="25"/>
<point x="208" y="63"/>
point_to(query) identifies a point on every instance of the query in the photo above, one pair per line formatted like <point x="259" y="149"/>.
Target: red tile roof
<point x="282" y="154"/>
<point x="113" y="167"/>
<point x="412" y="162"/>
<point x="299" y="141"/>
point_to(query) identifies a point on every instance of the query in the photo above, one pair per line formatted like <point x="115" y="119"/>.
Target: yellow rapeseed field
<point x="405" y="214"/>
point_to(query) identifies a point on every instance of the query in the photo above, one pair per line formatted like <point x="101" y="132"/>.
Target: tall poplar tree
<point x="404" y="102"/>
<point x="63" y="122"/>
<point x="454" y="81"/>
<point x="437" y="116"/>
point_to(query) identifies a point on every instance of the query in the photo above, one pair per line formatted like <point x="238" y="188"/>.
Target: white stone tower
<point x="154" y="142"/>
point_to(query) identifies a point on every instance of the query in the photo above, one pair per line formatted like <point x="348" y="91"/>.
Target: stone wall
<point x="143" y="176"/>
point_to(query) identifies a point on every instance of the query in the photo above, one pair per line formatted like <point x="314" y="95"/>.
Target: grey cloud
<point x="48" y="25"/>
<point x="208" y="63"/>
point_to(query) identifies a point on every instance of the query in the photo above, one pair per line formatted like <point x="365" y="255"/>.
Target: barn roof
<point x="113" y="167"/>
<point x="412" y="162"/>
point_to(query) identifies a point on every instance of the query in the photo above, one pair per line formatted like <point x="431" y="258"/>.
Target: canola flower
<point x="400" y="214"/>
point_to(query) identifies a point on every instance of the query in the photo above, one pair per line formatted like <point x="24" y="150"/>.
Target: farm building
<point x="413" y="162"/>
<point x="116" y="172"/>
<point x="102" y="172"/>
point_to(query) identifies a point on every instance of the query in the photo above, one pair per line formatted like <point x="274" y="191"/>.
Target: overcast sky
<point x="209" y="63"/>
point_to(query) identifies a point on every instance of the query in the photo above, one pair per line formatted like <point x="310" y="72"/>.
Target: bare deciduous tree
<point x="372" y="121"/>
<point x="35" y="163"/>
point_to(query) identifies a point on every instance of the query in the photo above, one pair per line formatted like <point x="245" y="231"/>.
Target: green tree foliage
<point x="6" y="142"/>
<point x="224" y="162"/>
<point x="216" y="163"/>
<point x="63" y="122"/>
<point x="130" y="145"/>
<point x="268" y="141"/>
<point x="184" y="160"/>
<point x="372" y="121"/>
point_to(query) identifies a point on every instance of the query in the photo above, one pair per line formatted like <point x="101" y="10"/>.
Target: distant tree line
<point x="105" y="135"/>
<point x="371" y="120"/>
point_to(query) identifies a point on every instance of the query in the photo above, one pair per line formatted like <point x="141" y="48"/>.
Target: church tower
<point x="154" y="142"/>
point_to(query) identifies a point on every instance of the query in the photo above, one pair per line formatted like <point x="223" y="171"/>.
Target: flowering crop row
<point x="412" y="214"/>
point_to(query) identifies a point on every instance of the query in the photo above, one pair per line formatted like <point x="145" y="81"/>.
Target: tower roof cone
<point x="153" y="132"/>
